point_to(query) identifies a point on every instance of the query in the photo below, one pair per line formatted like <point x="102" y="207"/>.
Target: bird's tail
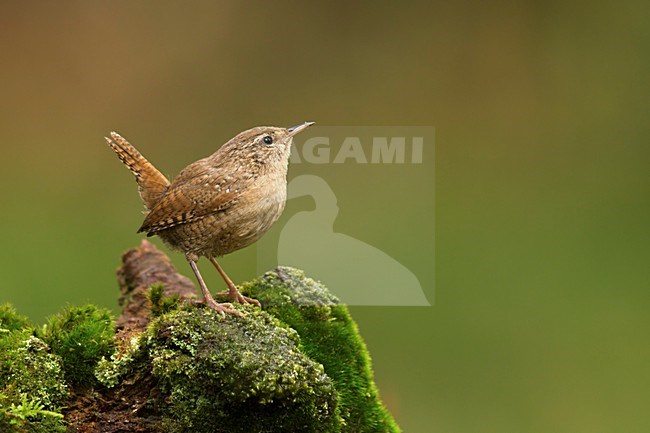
<point x="152" y="185"/>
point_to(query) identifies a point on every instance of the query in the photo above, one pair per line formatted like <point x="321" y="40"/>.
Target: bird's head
<point x="263" y="144"/>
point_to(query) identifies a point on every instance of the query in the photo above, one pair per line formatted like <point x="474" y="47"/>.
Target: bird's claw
<point x="235" y="296"/>
<point x="222" y="308"/>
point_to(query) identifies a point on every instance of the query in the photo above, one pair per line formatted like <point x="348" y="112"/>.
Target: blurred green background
<point x="542" y="191"/>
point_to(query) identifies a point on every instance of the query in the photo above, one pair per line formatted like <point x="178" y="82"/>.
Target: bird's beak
<point x="296" y="129"/>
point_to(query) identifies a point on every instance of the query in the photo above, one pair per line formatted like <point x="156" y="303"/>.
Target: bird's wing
<point x="192" y="197"/>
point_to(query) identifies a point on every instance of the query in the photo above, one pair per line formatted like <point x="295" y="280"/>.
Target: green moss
<point x="31" y="379"/>
<point x="27" y="367"/>
<point x="10" y="320"/>
<point x="237" y="374"/>
<point x="81" y="336"/>
<point x="28" y="414"/>
<point x="161" y="304"/>
<point x="328" y="336"/>
<point x="121" y="363"/>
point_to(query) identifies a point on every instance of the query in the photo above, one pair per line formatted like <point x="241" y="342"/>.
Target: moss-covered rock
<point x="81" y="336"/>
<point x="238" y="374"/>
<point x="329" y="336"/>
<point x="298" y="364"/>
<point x="32" y="388"/>
<point x="234" y="374"/>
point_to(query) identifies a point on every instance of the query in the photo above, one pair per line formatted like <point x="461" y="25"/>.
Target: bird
<point x="218" y="204"/>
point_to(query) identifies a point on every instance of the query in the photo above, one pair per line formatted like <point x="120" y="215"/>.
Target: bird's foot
<point x="222" y="308"/>
<point x="235" y="296"/>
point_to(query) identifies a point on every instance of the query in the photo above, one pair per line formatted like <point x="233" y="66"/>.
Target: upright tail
<point x="152" y="185"/>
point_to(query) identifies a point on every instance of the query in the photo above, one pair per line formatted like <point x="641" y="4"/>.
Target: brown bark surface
<point x="141" y="268"/>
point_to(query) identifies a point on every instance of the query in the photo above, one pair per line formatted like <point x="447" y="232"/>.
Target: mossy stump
<point x="173" y="365"/>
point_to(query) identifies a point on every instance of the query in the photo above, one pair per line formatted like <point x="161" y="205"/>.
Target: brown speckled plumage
<point x="218" y="204"/>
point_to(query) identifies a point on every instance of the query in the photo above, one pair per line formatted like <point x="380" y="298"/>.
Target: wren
<point x="218" y="204"/>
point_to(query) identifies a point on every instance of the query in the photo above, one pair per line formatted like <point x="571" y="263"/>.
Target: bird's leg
<point x="232" y="293"/>
<point x="207" y="297"/>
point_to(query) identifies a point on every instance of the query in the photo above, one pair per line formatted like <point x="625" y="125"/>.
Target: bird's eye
<point x="268" y="139"/>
